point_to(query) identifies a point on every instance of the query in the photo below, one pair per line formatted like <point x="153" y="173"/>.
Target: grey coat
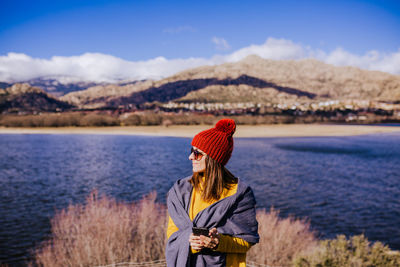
<point x="234" y="215"/>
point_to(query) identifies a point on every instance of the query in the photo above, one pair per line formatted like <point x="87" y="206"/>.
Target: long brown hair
<point x="217" y="178"/>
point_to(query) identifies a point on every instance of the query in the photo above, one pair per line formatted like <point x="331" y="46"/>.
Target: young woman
<point x="214" y="199"/>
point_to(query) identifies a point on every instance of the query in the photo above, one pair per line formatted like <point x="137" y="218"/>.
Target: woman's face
<point x="198" y="159"/>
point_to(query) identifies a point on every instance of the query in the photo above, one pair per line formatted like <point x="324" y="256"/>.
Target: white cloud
<point x="372" y="60"/>
<point x="107" y="68"/>
<point x="90" y="67"/>
<point x="271" y="49"/>
<point x="220" y="43"/>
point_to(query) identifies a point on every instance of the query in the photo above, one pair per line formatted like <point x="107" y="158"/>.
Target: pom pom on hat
<point x="226" y="125"/>
<point x="217" y="142"/>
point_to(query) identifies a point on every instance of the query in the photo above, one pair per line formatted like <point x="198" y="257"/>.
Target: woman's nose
<point x="191" y="157"/>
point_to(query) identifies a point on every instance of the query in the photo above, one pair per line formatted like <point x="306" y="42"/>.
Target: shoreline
<point x="243" y="131"/>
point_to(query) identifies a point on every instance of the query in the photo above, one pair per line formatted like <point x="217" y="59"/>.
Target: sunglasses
<point x="197" y="154"/>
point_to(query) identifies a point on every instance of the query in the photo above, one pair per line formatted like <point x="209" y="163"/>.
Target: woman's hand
<point x="195" y="242"/>
<point x="212" y="241"/>
<point x="200" y="242"/>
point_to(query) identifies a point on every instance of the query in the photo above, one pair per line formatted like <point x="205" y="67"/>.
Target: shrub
<point x="191" y="119"/>
<point x="146" y="119"/>
<point x="354" y="252"/>
<point x="61" y="119"/>
<point x="98" y="120"/>
<point x="58" y="120"/>
<point x="281" y="240"/>
<point x="151" y="119"/>
<point x="7" y="121"/>
<point x="132" y="120"/>
<point x="103" y="231"/>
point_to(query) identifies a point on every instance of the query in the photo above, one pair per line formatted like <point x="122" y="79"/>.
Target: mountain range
<point x="253" y="79"/>
<point x="61" y="85"/>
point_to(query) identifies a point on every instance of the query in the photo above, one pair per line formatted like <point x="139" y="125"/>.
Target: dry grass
<point x="103" y="231"/>
<point x="356" y="251"/>
<point x="58" y="120"/>
<point x="150" y="118"/>
<point x="281" y="240"/>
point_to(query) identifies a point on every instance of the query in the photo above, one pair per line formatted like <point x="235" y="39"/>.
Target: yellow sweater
<point x="235" y="247"/>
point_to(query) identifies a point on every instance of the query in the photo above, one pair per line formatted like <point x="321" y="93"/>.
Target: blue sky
<point x="138" y="31"/>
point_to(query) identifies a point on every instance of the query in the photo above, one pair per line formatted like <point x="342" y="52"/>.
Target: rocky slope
<point x="24" y="98"/>
<point x="102" y="95"/>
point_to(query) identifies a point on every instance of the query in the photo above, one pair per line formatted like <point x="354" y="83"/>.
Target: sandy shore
<point x="285" y="130"/>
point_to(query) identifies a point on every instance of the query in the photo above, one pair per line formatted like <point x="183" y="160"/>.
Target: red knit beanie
<point x="217" y="142"/>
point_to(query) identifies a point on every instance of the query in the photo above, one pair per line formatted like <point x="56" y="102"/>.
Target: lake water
<point x="348" y="185"/>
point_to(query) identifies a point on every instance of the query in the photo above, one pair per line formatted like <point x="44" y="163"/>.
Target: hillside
<point x="24" y="98"/>
<point x="251" y="80"/>
<point x="101" y="95"/>
<point x="317" y="80"/>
